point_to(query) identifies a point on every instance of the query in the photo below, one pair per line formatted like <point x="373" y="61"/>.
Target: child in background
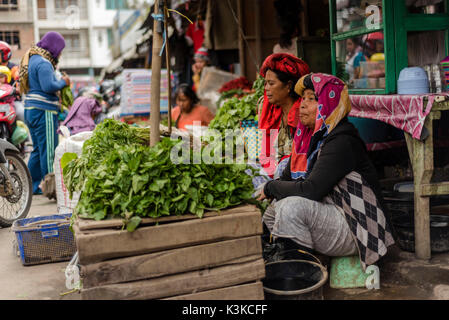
<point x="5" y="79"/>
<point x="201" y="60"/>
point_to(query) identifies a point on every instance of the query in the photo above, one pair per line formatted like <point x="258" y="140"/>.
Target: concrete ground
<point x="402" y="276"/>
<point x="40" y="282"/>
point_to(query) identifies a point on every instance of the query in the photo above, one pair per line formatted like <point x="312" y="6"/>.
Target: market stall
<point x="372" y="43"/>
<point x="181" y="230"/>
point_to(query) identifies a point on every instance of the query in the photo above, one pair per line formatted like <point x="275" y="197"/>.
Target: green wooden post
<point x="390" y="48"/>
<point x="400" y="36"/>
<point x="333" y="29"/>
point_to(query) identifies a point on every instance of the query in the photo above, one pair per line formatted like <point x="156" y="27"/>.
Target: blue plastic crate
<point x="45" y="239"/>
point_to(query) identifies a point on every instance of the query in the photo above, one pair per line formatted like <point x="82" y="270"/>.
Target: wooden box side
<point x="249" y="291"/>
<point x="179" y="284"/>
<point x="96" y="246"/>
<point x="171" y="262"/>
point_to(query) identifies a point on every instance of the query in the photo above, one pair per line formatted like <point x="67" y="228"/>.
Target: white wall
<point x="102" y="55"/>
<point x="101" y="16"/>
<point x="100" y="20"/>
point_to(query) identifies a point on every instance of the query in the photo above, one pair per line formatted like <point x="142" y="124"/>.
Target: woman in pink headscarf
<point x="328" y="198"/>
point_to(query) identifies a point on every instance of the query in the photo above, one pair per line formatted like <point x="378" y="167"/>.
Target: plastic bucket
<point x="294" y="280"/>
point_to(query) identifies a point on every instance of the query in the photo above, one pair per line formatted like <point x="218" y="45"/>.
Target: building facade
<point x="87" y="27"/>
<point x="16" y="26"/>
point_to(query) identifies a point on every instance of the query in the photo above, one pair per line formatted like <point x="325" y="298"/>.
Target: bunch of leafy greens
<point x="66" y="97"/>
<point x="120" y="176"/>
<point x="236" y="109"/>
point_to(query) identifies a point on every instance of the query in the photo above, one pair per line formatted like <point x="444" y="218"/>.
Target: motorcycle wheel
<point x="4" y="131"/>
<point x="16" y="207"/>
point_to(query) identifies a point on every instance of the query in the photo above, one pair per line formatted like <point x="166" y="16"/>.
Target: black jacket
<point x="342" y="152"/>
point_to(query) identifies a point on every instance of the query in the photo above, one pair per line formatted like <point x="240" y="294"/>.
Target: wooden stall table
<point x="414" y="114"/>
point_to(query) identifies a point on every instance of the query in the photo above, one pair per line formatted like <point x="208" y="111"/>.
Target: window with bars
<point x="11" y="37"/>
<point x="73" y="42"/>
<point x="6" y="5"/>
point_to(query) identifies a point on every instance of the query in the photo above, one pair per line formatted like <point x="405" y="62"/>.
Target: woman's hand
<point x="66" y="78"/>
<point x="262" y="196"/>
<point x="195" y="69"/>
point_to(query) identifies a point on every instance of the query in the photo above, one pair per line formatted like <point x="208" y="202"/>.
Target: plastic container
<point x="413" y="81"/>
<point x="294" y="280"/>
<point x="373" y="83"/>
<point x="45" y="239"/>
<point x="252" y="138"/>
<point x="19" y="135"/>
<point x="361" y="83"/>
<point x="347" y="272"/>
<point x="372" y="69"/>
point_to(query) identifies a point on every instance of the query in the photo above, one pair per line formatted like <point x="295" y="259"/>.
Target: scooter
<point x="16" y="188"/>
<point x="9" y="130"/>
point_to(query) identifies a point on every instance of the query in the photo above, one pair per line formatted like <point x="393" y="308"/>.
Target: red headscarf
<point x="271" y="115"/>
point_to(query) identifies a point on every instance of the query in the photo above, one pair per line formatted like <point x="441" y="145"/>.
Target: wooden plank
<point x="423" y="165"/>
<point x="250" y="291"/>
<point x="435" y="189"/>
<point x="109" y="244"/>
<point x="172" y="261"/>
<point x="179" y="284"/>
<point x="86" y="224"/>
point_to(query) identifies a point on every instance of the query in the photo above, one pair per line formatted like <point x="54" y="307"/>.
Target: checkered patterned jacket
<point x="365" y="217"/>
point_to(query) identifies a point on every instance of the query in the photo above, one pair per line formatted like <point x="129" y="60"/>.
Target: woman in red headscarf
<point x="279" y="112"/>
<point x="328" y="199"/>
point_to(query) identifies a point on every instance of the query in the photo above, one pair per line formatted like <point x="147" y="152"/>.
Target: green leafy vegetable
<point x="66" y="97"/>
<point x="236" y="109"/>
<point x="66" y="158"/>
<point x="118" y="175"/>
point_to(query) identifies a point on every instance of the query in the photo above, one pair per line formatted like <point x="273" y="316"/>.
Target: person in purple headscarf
<point x="40" y="82"/>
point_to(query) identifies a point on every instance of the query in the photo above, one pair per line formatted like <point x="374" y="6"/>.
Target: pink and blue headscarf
<point x="333" y="106"/>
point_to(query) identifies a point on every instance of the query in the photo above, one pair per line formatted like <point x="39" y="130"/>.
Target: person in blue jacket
<point x="39" y="81"/>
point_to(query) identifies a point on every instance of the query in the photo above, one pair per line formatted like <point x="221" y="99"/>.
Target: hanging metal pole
<point x="155" y="109"/>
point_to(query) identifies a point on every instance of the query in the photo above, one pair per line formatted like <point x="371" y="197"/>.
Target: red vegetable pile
<point x="239" y="83"/>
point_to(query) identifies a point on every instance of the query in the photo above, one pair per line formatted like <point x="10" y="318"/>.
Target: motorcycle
<point x="11" y="131"/>
<point x="16" y="188"/>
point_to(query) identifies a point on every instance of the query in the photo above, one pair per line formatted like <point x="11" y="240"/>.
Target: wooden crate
<point x="100" y="241"/>
<point x="249" y="291"/>
<point x="179" y="284"/>
<point x="172" y="256"/>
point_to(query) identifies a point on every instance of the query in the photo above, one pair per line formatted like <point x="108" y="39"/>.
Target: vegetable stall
<point x="147" y="227"/>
